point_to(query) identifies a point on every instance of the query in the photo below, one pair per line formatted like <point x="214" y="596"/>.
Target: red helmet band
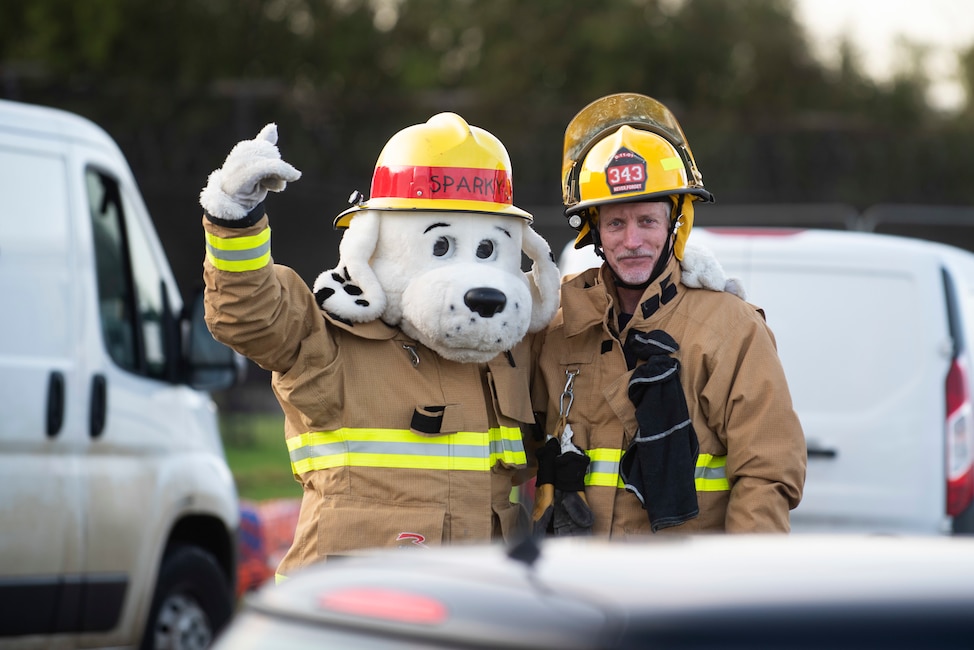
<point x="447" y="183"/>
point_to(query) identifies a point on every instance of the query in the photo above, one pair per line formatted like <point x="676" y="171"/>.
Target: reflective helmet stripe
<point x="403" y="449"/>
<point x="710" y="474"/>
<point x="237" y="254"/>
<point x="447" y="183"/>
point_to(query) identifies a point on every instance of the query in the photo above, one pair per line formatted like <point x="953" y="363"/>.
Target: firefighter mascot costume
<point x="404" y="373"/>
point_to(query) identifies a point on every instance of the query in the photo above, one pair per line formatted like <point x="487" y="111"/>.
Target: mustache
<point x="633" y="254"/>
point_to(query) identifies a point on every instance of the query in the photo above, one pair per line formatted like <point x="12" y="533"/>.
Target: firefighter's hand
<point x="252" y="168"/>
<point x="544" y="494"/>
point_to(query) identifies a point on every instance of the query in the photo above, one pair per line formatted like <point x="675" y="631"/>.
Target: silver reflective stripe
<point x="241" y="255"/>
<point x="388" y="448"/>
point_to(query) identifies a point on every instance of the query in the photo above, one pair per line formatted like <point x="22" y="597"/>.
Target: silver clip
<point x="413" y="354"/>
<point x="568" y="394"/>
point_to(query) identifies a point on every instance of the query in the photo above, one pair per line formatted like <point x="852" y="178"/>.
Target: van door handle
<point x="822" y="452"/>
<point x="55" y="403"/>
<point x="98" y="406"/>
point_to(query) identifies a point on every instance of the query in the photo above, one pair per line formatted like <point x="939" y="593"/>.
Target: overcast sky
<point x="942" y="25"/>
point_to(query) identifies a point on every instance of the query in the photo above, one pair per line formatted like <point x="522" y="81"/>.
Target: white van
<point x="118" y="513"/>
<point x="875" y="335"/>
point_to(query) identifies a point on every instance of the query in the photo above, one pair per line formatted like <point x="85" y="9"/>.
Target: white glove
<point x="252" y="168"/>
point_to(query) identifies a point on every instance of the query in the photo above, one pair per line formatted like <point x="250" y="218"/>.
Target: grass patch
<point x="257" y="455"/>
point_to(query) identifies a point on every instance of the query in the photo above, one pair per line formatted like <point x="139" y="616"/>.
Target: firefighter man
<point x="674" y="399"/>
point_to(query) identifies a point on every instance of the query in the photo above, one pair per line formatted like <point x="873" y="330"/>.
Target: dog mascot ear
<point x="351" y="291"/>
<point x="543" y="279"/>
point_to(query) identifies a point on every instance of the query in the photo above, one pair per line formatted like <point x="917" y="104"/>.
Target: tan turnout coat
<point x="353" y="396"/>
<point x="751" y="469"/>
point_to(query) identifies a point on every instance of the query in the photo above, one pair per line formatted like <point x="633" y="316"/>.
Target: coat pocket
<point x="348" y="524"/>
<point x="513" y="520"/>
<point x="512" y="395"/>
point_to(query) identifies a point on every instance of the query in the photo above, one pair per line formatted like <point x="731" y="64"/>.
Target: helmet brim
<point x="415" y="205"/>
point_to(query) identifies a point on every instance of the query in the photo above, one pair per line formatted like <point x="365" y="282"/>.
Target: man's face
<point x="633" y="235"/>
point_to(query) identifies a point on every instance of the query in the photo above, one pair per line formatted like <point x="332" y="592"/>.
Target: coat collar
<point x="586" y="299"/>
<point x="373" y="329"/>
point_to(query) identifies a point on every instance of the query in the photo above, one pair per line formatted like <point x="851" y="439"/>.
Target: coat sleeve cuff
<point x="252" y="217"/>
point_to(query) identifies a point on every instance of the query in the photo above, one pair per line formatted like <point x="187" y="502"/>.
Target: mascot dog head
<point x="436" y="250"/>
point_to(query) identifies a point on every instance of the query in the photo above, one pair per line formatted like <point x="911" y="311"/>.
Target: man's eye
<point x="441" y="247"/>
<point x="485" y="249"/>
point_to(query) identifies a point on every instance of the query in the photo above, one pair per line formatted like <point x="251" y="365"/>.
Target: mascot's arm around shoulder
<point x="261" y="310"/>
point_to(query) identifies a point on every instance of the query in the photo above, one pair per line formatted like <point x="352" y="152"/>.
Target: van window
<point x="130" y="286"/>
<point x="35" y="255"/>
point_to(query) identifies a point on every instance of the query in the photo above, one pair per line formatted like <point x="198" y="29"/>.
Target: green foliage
<point x="177" y="82"/>
<point x="257" y="455"/>
<point x="745" y="56"/>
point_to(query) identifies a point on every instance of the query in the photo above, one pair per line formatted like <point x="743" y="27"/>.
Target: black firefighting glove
<point x="572" y="514"/>
<point x="560" y="507"/>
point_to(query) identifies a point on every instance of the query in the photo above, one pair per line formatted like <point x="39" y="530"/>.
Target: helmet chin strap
<point x="661" y="261"/>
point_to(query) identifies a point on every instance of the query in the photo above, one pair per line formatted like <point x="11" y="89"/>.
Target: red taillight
<point x="960" y="441"/>
<point x="385" y="604"/>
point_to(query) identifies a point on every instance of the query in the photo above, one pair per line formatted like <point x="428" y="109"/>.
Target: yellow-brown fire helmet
<point x="628" y="147"/>
<point x="444" y="164"/>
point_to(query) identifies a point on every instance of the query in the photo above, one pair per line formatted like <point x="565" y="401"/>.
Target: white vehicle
<point x="118" y="513"/>
<point x="759" y="592"/>
<point x="875" y="335"/>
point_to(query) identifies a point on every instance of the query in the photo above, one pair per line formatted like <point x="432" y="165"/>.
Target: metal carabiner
<point x="567" y="394"/>
<point x="413" y="354"/>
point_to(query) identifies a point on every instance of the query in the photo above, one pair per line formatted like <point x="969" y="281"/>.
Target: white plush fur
<point x="701" y="270"/>
<point x="391" y="257"/>
<point x="251" y="169"/>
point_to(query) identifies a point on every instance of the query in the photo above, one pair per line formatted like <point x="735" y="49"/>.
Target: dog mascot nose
<point x="485" y="301"/>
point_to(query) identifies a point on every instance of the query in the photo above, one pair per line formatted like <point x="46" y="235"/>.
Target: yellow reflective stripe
<point x="604" y="468"/>
<point x="710" y="474"/>
<point x="403" y="449"/>
<point x="239" y="243"/>
<point x="279" y="578"/>
<point x="239" y="254"/>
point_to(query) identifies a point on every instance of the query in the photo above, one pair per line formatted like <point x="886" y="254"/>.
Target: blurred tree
<point x="965" y="66"/>
<point x="177" y="82"/>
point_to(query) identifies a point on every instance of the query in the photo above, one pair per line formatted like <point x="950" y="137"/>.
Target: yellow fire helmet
<point x="444" y="164"/>
<point x="628" y="147"/>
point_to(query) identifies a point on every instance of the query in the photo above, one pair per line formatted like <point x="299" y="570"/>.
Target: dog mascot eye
<point x="485" y="249"/>
<point x="441" y="247"/>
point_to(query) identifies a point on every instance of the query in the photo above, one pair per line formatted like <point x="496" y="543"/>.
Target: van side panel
<point x="41" y="412"/>
<point x="864" y="354"/>
<point x="106" y="456"/>
<point x="862" y="332"/>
